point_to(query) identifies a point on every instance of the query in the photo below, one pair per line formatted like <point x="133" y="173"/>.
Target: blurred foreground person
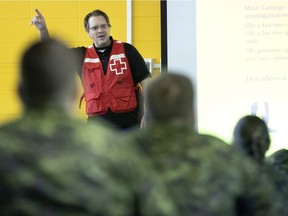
<point x="251" y="137"/>
<point x="54" y="164"/>
<point x="204" y="175"/>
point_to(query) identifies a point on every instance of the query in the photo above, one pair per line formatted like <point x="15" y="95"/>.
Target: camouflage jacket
<point x="51" y="164"/>
<point x="277" y="168"/>
<point x="279" y="160"/>
<point x="204" y="175"/>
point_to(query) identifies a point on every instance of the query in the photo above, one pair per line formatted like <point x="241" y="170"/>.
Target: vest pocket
<point x="94" y="105"/>
<point x="123" y="99"/>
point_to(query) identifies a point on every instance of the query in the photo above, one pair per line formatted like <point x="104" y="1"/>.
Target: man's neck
<point x="103" y="49"/>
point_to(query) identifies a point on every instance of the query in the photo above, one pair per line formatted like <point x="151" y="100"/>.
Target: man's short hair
<point x="95" y="13"/>
<point x="47" y="73"/>
<point x="170" y="96"/>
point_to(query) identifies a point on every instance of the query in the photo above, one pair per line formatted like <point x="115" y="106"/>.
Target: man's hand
<point x="38" y="21"/>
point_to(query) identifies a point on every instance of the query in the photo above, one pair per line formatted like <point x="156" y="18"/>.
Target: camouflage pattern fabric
<point x="203" y="174"/>
<point x="279" y="160"/>
<point x="277" y="165"/>
<point x="53" y="165"/>
<point x="280" y="181"/>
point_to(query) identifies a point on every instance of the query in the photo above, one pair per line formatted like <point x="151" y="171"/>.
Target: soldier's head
<point x="47" y="75"/>
<point x="170" y="97"/>
<point x="251" y="137"/>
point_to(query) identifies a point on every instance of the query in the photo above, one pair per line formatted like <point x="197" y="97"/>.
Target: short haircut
<point x="95" y="13"/>
<point x="251" y="137"/>
<point x="47" y="73"/>
<point x="170" y="96"/>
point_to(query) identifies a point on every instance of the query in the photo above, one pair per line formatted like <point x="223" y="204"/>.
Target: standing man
<point x="111" y="72"/>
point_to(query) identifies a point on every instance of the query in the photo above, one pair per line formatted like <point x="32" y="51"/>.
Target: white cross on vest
<point x="114" y="68"/>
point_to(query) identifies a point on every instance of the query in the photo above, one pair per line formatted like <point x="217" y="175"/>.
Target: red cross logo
<point x="119" y="67"/>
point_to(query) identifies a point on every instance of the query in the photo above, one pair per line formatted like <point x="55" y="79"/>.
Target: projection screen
<point x="236" y="53"/>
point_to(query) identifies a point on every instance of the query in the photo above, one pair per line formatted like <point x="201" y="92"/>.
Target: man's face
<point x="99" y="31"/>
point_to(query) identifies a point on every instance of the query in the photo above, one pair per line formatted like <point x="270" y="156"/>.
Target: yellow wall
<point x="65" y="20"/>
<point x="147" y="30"/>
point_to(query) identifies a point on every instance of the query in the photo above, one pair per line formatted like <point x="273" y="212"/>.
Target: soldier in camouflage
<point x="279" y="162"/>
<point x="53" y="164"/>
<point x="204" y="175"/>
<point x="251" y="137"/>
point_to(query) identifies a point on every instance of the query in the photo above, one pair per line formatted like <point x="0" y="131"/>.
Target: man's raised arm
<point x="39" y="22"/>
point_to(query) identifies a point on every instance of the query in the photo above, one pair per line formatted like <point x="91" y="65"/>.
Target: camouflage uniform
<point x="281" y="186"/>
<point x="203" y="174"/>
<point x="279" y="160"/>
<point x="54" y="165"/>
<point x="277" y="165"/>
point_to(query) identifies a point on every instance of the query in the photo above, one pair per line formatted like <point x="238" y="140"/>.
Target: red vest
<point x="115" y="90"/>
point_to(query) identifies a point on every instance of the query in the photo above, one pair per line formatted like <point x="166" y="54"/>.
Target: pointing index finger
<point x="38" y="12"/>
